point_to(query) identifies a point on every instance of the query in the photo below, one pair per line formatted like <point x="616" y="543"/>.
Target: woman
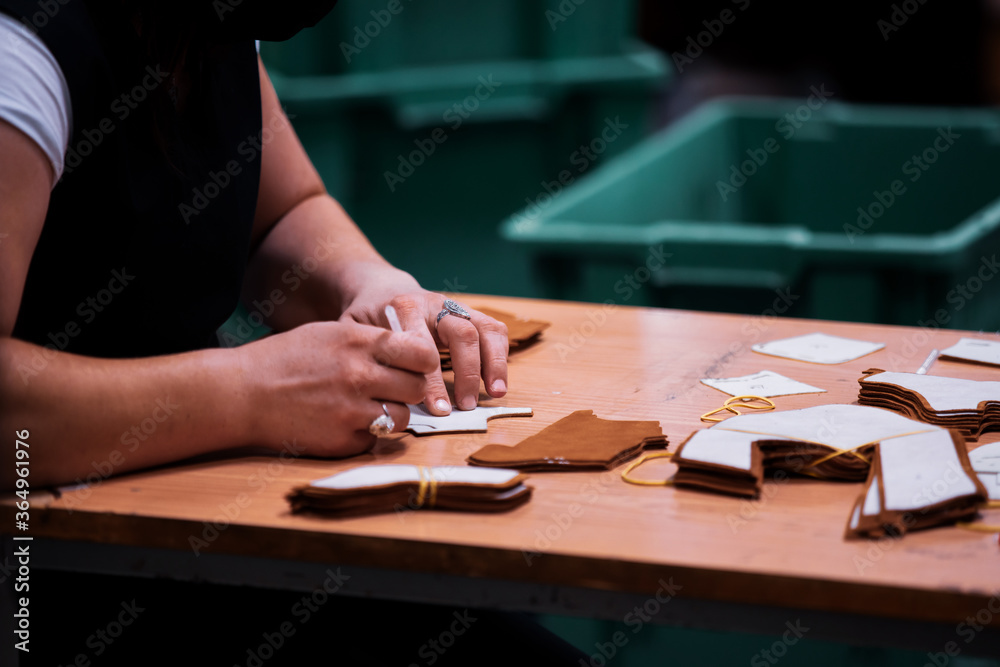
<point x="148" y="178"/>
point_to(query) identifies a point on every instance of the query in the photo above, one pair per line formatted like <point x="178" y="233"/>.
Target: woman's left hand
<point x="478" y="345"/>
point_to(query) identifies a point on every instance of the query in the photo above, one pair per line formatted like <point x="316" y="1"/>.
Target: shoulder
<point x="34" y="96"/>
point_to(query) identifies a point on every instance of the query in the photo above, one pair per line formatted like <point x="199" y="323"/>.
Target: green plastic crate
<point x="363" y="36"/>
<point x="756" y="208"/>
<point x="522" y="134"/>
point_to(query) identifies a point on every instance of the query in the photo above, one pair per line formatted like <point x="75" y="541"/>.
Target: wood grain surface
<point x="589" y="529"/>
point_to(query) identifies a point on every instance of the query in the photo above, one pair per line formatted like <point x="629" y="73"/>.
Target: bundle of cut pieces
<point x="918" y="475"/>
<point x="385" y="488"/>
<point x="970" y="407"/>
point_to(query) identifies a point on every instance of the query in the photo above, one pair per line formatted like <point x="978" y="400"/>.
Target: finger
<point x="377" y="381"/>
<point x="436" y="394"/>
<point x="413" y="318"/>
<point x="462" y="339"/>
<point x="493" y="348"/>
<point x="408" y="351"/>
<point x="399" y="413"/>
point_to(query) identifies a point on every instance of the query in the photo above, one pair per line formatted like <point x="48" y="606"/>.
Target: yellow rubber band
<point x="978" y="527"/>
<point x="427" y="491"/>
<point x="645" y="482"/>
<point x="745" y="401"/>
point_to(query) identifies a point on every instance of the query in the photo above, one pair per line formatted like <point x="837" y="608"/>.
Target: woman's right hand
<point x="322" y="384"/>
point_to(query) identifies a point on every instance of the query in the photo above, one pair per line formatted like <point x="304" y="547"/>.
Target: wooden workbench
<point x="586" y="543"/>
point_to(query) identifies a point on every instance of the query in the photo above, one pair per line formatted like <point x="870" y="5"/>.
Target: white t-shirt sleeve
<point x="34" y="96"/>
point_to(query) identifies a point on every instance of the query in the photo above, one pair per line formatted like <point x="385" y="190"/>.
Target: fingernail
<point x="467" y="403"/>
<point x="499" y="387"/>
<point x="443" y="406"/>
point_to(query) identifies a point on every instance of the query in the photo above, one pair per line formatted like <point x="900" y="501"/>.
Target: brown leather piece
<point x="521" y="333"/>
<point x="579" y="441"/>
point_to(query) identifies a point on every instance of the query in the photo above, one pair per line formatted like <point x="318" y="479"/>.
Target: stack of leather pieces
<point x="827" y="441"/>
<point x="918" y="475"/>
<point x="521" y="332"/>
<point x="970" y="407"/>
<point x="920" y="480"/>
<point x="386" y="488"/>
<point x="579" y="441"/>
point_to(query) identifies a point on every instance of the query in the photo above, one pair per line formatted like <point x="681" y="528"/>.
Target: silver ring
<point x="383" y="424"/>
<point x="452" y="308"/>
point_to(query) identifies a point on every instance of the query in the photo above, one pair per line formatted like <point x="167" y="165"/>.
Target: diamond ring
<point x="452" y="308"/>
<point x="383" y="424"/>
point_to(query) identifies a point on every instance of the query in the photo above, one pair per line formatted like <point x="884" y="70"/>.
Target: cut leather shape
<point x="973" y="350"/>
<point x="385" y="488"/>
<point x="901" y="460"/>
<point x="969" y="406"/>
<point x="579" y="441"/>
<point x="521" y="333"/>
<point x="423" y="422"/>
<point x="818" y="348"/>
<point x="915" y="482"/>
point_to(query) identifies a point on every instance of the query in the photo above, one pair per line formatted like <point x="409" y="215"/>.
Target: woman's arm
<point x="297" y="221"/>
<point x="319" y="386"/>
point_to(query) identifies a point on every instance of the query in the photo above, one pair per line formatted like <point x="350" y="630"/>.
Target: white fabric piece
<point x="379" y="475"/>
<point x="922" y="470"/>
<point x="764" y="383"/>
<point x="713" y="445"/>
<point x="873" y="505"/>
<point x="34" y="96"/>
<point x="943" y="393"/>
<point x="975" y="349"/>
<point x="423" y="422"/>
<point x="818" y="348"/>
<point x="840" y="426"/>
<point x="986" y="458"/>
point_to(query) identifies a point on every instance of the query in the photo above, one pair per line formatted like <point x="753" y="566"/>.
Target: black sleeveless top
<point x="148" y="231"/>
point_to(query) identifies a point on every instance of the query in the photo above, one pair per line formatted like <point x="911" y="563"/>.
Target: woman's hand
<point x="478" y="346"/>
<point x="324" y="383"/>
